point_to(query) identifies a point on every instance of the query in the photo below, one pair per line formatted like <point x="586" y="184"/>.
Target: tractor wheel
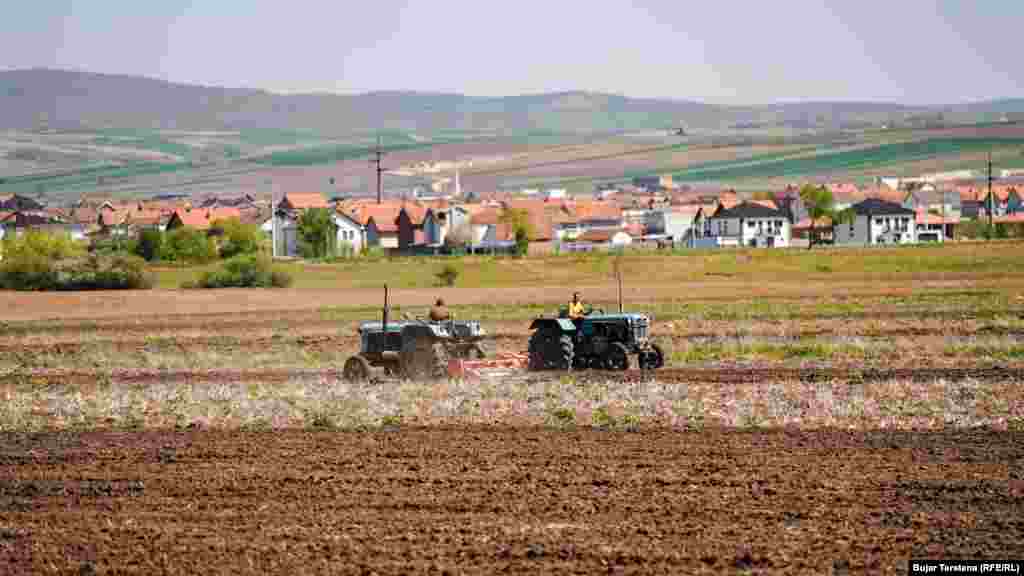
<point x="357" y="369"/>
<point x="652" y="359"/>
<point x="540" y="344"/>
<point x="438" y="360"/>
<point x="617" y="357"/>
<point x="566" y="356"/>
<point x="477" y="352"/>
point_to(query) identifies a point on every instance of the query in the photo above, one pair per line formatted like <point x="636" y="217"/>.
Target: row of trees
<point x="225" y="239"/>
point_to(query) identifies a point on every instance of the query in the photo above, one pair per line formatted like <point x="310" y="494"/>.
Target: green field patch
<point x="849" y="160"/>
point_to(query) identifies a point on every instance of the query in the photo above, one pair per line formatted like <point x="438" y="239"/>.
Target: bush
<point x="522" y="241"/>
<point x="187" y="244"/>
<point x="40" y="261"/>
<point x="248" y="271"/>
<point x="149" y="244"/>
<point x="236" y="238"/>
<point x="103" y="272"/>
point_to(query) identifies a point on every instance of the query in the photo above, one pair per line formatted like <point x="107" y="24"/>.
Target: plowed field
<point x="522" y="501"/>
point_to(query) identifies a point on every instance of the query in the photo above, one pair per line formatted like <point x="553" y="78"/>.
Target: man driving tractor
<point x="439" y="313"/>
<point x="576" y="306"/>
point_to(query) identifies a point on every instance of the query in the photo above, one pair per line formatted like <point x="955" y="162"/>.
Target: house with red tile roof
<point x="200" y="218"/>
<point x="298" y="201"/>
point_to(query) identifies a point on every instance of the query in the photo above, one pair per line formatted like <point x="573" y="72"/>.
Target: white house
<point x="877" y="221"/>
<point x="439" y="222"/>
<point x="676" y="224"/>
<point x="599" y="240"/>
<point x="554" y="193"/>
<point x="747" y="224"/>
<point x="351" y="237"/>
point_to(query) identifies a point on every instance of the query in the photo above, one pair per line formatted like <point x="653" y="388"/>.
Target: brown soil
<point x="747" y="374"/>
<point x="478" y="501"/>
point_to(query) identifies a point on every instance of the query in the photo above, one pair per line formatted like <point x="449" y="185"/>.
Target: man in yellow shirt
<point x="575" y="306"/>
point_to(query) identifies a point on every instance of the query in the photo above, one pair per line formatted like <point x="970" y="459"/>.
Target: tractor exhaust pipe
<point x="618" y="276"/>
<point x="384" y="324"/>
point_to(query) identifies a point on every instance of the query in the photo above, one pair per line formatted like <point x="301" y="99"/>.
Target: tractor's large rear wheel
<point x="357" y="369"/>
<point x="617" y="357"/>
<point x="438" y="360"/>
<point x="541" y="347"/>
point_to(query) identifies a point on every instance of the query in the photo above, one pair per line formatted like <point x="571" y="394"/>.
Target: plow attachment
<point x="501" y="365"/>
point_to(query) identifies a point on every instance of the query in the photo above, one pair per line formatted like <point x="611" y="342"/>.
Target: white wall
<point x="761" y="231"/>
<point x="350" y="234"/>
<point x="857" y="234"/>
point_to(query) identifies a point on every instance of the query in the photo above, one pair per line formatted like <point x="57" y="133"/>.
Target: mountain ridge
<point x="65" y="99"/>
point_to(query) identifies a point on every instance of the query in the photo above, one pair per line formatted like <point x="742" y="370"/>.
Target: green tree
<point x="149" y="244"/>
<point x="236" y="238"/>
<point x="317" y="233"/>
<point x="522" y="241"/>
<point x="518" y="219"/>
<point x="186" y="244"/>
<point x="821" y="205"/>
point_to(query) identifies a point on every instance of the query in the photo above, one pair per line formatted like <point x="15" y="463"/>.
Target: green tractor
<point x="412" y="348"/>
<point x="597" y="340"/>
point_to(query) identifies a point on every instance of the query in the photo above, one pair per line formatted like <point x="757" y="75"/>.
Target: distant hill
<point x="68" y="100"/>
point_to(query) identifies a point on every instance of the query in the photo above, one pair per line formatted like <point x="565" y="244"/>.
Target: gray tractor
<point x="601" y="341"/>
<point x="413" y="348"/>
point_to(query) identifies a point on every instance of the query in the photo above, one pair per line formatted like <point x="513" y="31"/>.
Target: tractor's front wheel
<point x="617" y="357"/>
<point x="652" y="359"/>
<point x="357" y="369"/>
<point x="566" y="353"/>
<point x="438" y="360"/>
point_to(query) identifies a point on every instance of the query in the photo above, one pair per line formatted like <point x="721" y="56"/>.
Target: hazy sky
<point x="719" y="51"/>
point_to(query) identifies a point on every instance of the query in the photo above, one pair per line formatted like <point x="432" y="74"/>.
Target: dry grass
<point x="320" y="403"/>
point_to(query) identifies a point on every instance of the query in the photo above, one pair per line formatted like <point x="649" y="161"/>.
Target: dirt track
<point x="505" y="500"/>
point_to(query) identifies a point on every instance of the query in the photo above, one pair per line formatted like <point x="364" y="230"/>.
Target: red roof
<point x="201" y="218"/>
<point x="384" y="215"/>
<point x="305" y="200"/>
<point x="595" y="210"/>
<point x="766" y="203"/>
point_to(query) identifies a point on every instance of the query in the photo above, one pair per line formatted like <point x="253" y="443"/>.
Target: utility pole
<point x="990" y="199"/>
<point x="378" y="154"/>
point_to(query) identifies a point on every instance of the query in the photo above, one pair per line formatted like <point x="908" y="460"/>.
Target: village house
<point x="199" y="218"/>
<point x="581" y="217"/>
<point x="933" y="227"/>
<point x="489" y="231"/>
<point x="599" y="240"/>
<point x="747" y="224"/>
<point x="674" y="225"/>
<point x="945" y="203"/>
<point x="351" y="235"/>
<point x="129" y="219"/>
<point x="410" y="226"/>
<point x="20" y="221"/>
<point x="17" y="202"/>
<point x="284" y="224"/>
<point x="877" y="221"/>
<point x="442" y="218"/>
